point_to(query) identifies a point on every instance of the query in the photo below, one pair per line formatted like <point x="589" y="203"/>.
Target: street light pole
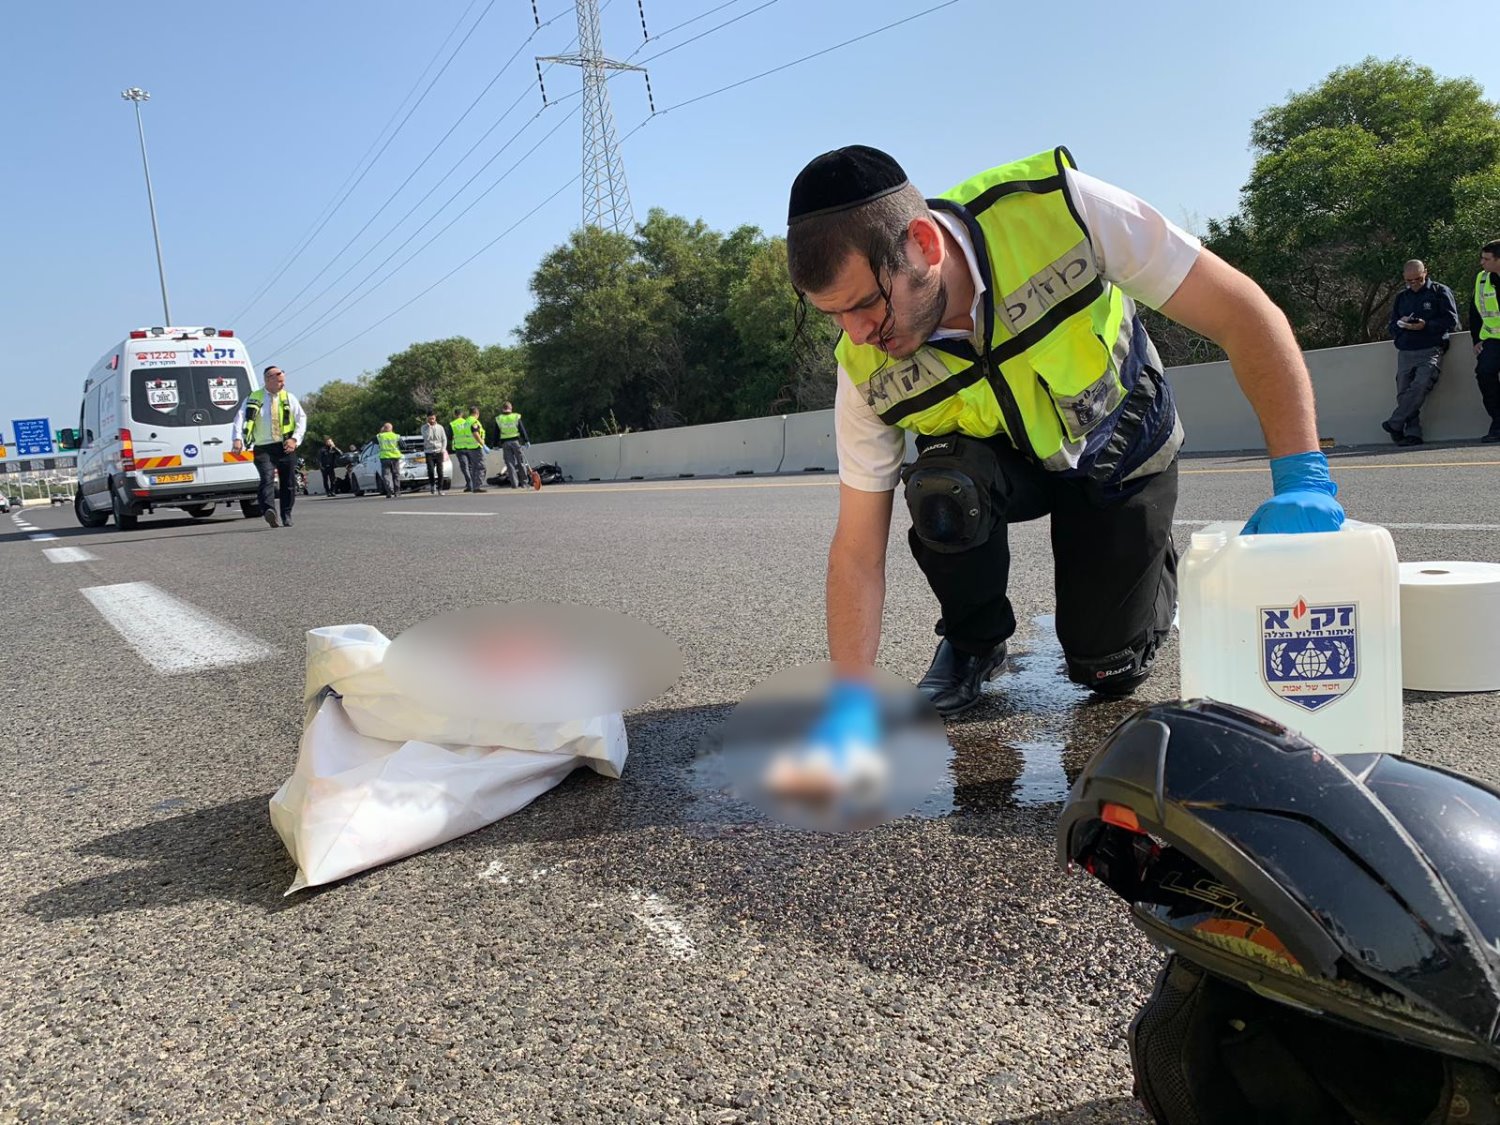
<point x="136" y="96"/>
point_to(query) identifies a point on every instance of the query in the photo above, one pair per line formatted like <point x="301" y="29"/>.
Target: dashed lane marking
<point x="169" y="634"/>
<point x="69" y="555"/>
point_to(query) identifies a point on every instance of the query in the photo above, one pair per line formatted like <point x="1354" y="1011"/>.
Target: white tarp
<point x="380" y="777"/>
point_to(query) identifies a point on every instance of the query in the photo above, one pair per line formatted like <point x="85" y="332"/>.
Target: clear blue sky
<point x="260" y="112"/>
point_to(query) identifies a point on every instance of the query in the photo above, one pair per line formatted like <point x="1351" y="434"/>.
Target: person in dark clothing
<point x="328" y="461"/>
<point x="1422" y="315"/>
<point x="1484" y="326"/>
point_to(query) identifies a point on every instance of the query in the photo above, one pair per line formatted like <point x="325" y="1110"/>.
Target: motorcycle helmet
<point x="1333" y="922"/>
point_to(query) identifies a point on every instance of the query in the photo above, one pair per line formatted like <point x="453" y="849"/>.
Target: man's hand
<point x="1304" y="499"/>
<point x="238" y="446"/>
<point x="842" y="751"/>
<point x="1415" y="325"/>
<point x="290" y="445"/>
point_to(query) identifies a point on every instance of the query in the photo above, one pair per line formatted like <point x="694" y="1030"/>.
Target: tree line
<point x="678" y="324"/>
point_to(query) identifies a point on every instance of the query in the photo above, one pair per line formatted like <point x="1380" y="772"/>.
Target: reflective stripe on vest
<point x="1058" y="335"/>
<point x="1487" y="301"/>
<point x="255" y="403"/>
<point x="390" y="445"/>
<point x="463" y="434"/>
<point x="510" y="426"/>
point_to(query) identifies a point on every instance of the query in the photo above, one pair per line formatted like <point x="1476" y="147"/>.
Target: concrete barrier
<point x="723" y="449"/>
<point x="581" y="459"/>
<point x="810" y="445"/>
<point x="1355" y="389"/>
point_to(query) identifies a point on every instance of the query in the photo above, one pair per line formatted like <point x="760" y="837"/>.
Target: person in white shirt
<point x="434" y="446"/>
<point x="998" y="323"/>
<point x="271" y="422"/>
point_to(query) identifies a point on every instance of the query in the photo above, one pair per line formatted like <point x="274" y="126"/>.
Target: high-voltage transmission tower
<point x="606" y="198"/>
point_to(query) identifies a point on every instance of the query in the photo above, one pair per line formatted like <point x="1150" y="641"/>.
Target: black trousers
<point x="328" y="482"/>
<point x="1114" y="568"/>
<point x="435" y="469"/>
<point x="1487" y="375"/>
<point x="272" y="459"/>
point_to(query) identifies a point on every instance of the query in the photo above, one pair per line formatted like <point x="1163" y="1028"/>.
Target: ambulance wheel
<point x="200" y="511"/>
<point x="125" y="519"/>
<point x="85" y="516"/>
<point x="251" y="508"/>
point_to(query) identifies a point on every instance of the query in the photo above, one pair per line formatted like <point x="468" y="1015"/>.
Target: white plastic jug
<point x="1304" y="629"/>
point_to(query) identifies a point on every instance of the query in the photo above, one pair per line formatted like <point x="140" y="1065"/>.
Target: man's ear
<point x="927" y="238"/>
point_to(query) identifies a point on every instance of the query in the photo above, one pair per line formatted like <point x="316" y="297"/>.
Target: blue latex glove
<point x="1303" y="500"/>
<point x="850" y="718"/>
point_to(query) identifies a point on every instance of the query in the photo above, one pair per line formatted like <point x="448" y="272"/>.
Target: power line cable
<point x="413" y="208"/>
<point x="275" y="317"/>
<point x="647" y="120"/>
<point x="331" y="314"/>
<point x="704" y="34"/>
<point x="264" y="287"/>
<point x="415" y="105"/>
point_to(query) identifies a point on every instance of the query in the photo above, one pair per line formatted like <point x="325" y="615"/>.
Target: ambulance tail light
<point x="138" y="334"/>
<point x="127" y="452"/>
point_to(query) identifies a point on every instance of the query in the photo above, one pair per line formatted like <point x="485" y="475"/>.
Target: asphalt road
<point x="631" y="950"/>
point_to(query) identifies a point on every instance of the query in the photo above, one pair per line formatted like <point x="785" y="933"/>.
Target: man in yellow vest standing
<point x="390" y="461"/>
<point x="477" y="468"/>
<point x="998" y="323"/>
<point x="271" y="422"/>
<point x="1484" y="325"/>
<point x="463" y="441"/>
<point x="512" y="432"/>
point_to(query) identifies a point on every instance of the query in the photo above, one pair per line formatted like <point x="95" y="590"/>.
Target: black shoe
<point x="271" y="518"/>
<point x="954" y="681"/>
<point x="481" y="490"/>
<point x="1394" y="431"/>
<point x="1409" y="439"/>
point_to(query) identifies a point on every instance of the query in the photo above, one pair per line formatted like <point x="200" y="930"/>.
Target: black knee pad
<point x="947" y="494"/>
<point x="1119" y="673"/>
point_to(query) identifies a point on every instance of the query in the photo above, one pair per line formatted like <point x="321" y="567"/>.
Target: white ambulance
<point x="157" y="428"/>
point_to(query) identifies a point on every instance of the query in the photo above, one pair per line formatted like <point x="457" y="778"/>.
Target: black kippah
<point x="841" y="179"/>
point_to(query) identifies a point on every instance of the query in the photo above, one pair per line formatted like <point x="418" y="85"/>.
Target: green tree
<point x="1380" y="162"/>
<point x="784" y="371"/>
<point x="594" y="336"/>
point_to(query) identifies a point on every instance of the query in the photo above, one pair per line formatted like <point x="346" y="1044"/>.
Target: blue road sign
<point x="33" y="436"/>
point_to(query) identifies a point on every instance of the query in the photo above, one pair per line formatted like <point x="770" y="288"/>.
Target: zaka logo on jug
<point x="1309" y="653"/>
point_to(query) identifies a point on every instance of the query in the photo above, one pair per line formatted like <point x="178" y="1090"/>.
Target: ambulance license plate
<point x="171" y="478"/>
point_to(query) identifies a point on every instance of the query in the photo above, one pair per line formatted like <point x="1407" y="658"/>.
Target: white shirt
<point x="268" y="422"/>
<point x="1135" y="247"/>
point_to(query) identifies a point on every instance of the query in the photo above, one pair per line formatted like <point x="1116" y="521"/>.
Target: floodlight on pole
<point x="136" y="96"/>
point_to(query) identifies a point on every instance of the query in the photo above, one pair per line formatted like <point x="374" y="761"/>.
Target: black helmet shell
<point x="1364" y="887"/>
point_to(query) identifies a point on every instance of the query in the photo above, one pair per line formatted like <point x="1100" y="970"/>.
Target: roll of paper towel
<point x="1450" y="626"/>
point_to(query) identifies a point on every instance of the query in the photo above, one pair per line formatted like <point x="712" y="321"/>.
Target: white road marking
<point x="657" y="915"/>
<point x="1391" y="526"/>
<point x="393" y="512"/>
<point x="171" y="635"/>
<point x="69" y="554"/>
<point x="41" y="536"/>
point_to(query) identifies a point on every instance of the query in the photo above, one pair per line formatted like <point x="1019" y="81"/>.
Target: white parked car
<point x="413" y="466"/>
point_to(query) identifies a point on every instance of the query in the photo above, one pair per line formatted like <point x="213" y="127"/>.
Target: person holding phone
<point x="1422" y="315"/>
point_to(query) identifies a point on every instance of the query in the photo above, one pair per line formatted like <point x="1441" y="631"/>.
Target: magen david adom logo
<point x="1309" y="653"/>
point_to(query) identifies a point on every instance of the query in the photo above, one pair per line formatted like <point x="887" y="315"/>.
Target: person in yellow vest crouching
<point x="390" y="461"/>
<point x="271" y="422"/>
<point x="999" y="323"/>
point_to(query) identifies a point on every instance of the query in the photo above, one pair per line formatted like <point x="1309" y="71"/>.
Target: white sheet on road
<point x="356" y="800"/>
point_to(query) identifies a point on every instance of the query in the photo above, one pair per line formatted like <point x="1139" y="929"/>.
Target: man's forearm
<point x="856" y="601"/>
<point x="1269" y="367"/>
